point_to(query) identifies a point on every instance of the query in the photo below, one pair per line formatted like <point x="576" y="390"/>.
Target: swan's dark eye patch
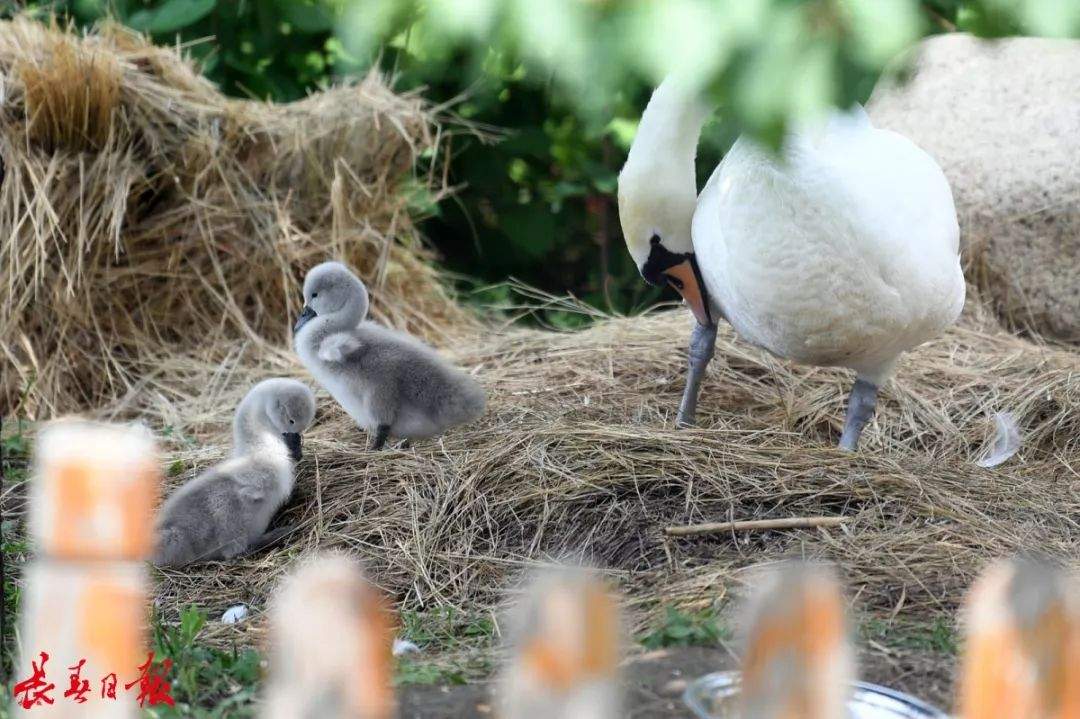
<point x="660" y="258"/>
<point x="675" y="282"/>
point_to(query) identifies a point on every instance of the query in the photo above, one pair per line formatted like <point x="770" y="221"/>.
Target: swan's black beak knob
<point x="303" y="319"/>
<point x="292" y="441"/>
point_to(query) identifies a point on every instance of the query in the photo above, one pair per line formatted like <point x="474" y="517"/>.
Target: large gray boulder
<point x="1003" y="120"/>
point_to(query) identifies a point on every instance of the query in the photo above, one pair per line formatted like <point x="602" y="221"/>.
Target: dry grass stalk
<point x="143" y="211"/>
<point x="753" y="525"/>
<point x="70" y="95"/>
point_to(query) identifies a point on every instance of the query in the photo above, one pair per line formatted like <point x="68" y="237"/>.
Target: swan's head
<point x="656" y="227"/>
<point x="287" y="406"/>
<point x="658" y="196"/>
<point x="333" y="292"/>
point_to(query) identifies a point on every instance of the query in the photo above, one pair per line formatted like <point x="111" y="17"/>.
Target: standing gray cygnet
<point x="389" y="382"/>
<point x="224" y="512"/>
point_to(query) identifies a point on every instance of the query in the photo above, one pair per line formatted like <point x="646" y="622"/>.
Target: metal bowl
<point x="715" y="696"/>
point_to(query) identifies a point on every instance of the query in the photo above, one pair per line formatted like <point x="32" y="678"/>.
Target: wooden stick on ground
<point x="754" y="525"/>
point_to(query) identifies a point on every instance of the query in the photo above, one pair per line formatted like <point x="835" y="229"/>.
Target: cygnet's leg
<point x="702" y="347"/>
<point x="382" y="433"/>
<point x="860" y="409"/>
<point x="384" y="405"/>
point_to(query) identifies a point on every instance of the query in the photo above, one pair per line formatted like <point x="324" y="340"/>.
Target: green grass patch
<point x="685" y="628"/>
<point x="207" y="682"/>
<point x="938" y="636"/>
<point x="462" y="640"/>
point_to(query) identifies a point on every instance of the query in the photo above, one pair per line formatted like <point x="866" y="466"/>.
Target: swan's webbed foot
<point x="860" y="409"/>
<point x="702" y="347"/>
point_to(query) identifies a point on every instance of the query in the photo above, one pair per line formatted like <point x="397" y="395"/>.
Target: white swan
<point x="843" y="251"/>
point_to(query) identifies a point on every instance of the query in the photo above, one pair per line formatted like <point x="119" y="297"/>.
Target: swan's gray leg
<point x="382" y="433"/>
<point x="860" y="409"/>
<point x="702" y="346"/>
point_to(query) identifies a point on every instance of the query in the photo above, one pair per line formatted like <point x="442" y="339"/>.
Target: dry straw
<point x="142" y="211"/>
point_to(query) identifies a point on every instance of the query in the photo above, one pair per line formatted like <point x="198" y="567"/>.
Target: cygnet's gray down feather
<point x="224" y="512"/>
<point x="389" y="382"/>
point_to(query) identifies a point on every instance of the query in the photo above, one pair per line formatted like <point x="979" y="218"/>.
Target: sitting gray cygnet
<point x="389" y="382"/>
<point x="224" y="512"/>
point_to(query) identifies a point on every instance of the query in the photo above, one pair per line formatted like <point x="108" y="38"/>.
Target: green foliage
<point x="686" y="628"/>
<point x="206" y="682"/>
<point x="939" y="636"/>
<point x="14" y="464"/>
<point x="446" y="627"/>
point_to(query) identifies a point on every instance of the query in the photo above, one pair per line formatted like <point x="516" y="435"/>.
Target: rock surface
<point x="1003" y="120"/>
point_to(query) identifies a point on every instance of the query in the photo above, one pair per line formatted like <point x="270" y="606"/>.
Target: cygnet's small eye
<point x="292" y="421"/>
<point x="314" y="295"/>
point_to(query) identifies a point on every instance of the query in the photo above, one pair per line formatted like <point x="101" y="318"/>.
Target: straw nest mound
<point x="577" y="455"/>
<point x="142" y="212"/>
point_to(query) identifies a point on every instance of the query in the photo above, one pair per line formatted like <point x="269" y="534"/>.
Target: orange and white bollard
<point x="84" y="616"/>
<point x="332" y="637"/>
<point x="798" y="660"/>
<point x="1022" y="649"/>
<point x="565" y="652"/>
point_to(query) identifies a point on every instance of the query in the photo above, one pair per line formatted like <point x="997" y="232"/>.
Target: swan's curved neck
<point x="661" y="162"/>
<point x="252" y="429"/>
<point x="671" y="125"/>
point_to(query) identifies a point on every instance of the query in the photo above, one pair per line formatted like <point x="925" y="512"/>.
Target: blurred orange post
<point x="1022" y="650"/>
<point x="798" y="660"/>
<point x="565" y="656"/>
<point x="84" y="617"/>
<point x="332" y="636"/>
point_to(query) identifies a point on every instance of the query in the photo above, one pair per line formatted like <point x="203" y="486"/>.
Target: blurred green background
<point x="556" y="87"/>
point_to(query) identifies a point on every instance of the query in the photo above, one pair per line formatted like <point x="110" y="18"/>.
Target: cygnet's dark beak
<point x="292" y="441"/>
<point x="303" y="319"/>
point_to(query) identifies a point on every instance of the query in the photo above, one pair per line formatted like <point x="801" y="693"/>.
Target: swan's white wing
<point x="845" y="253"/>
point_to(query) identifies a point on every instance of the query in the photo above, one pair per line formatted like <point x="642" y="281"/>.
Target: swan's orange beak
<point x="685" y="278"/>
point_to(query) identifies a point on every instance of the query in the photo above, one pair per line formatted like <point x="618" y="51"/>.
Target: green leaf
<point x="171" y="16"/>
<point x="308" y="16"/>
<point x="191" y="621"/>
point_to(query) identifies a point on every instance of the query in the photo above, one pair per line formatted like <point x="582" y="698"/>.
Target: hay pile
<point x="577" y="454"/>
<point x="142" y="213"/>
